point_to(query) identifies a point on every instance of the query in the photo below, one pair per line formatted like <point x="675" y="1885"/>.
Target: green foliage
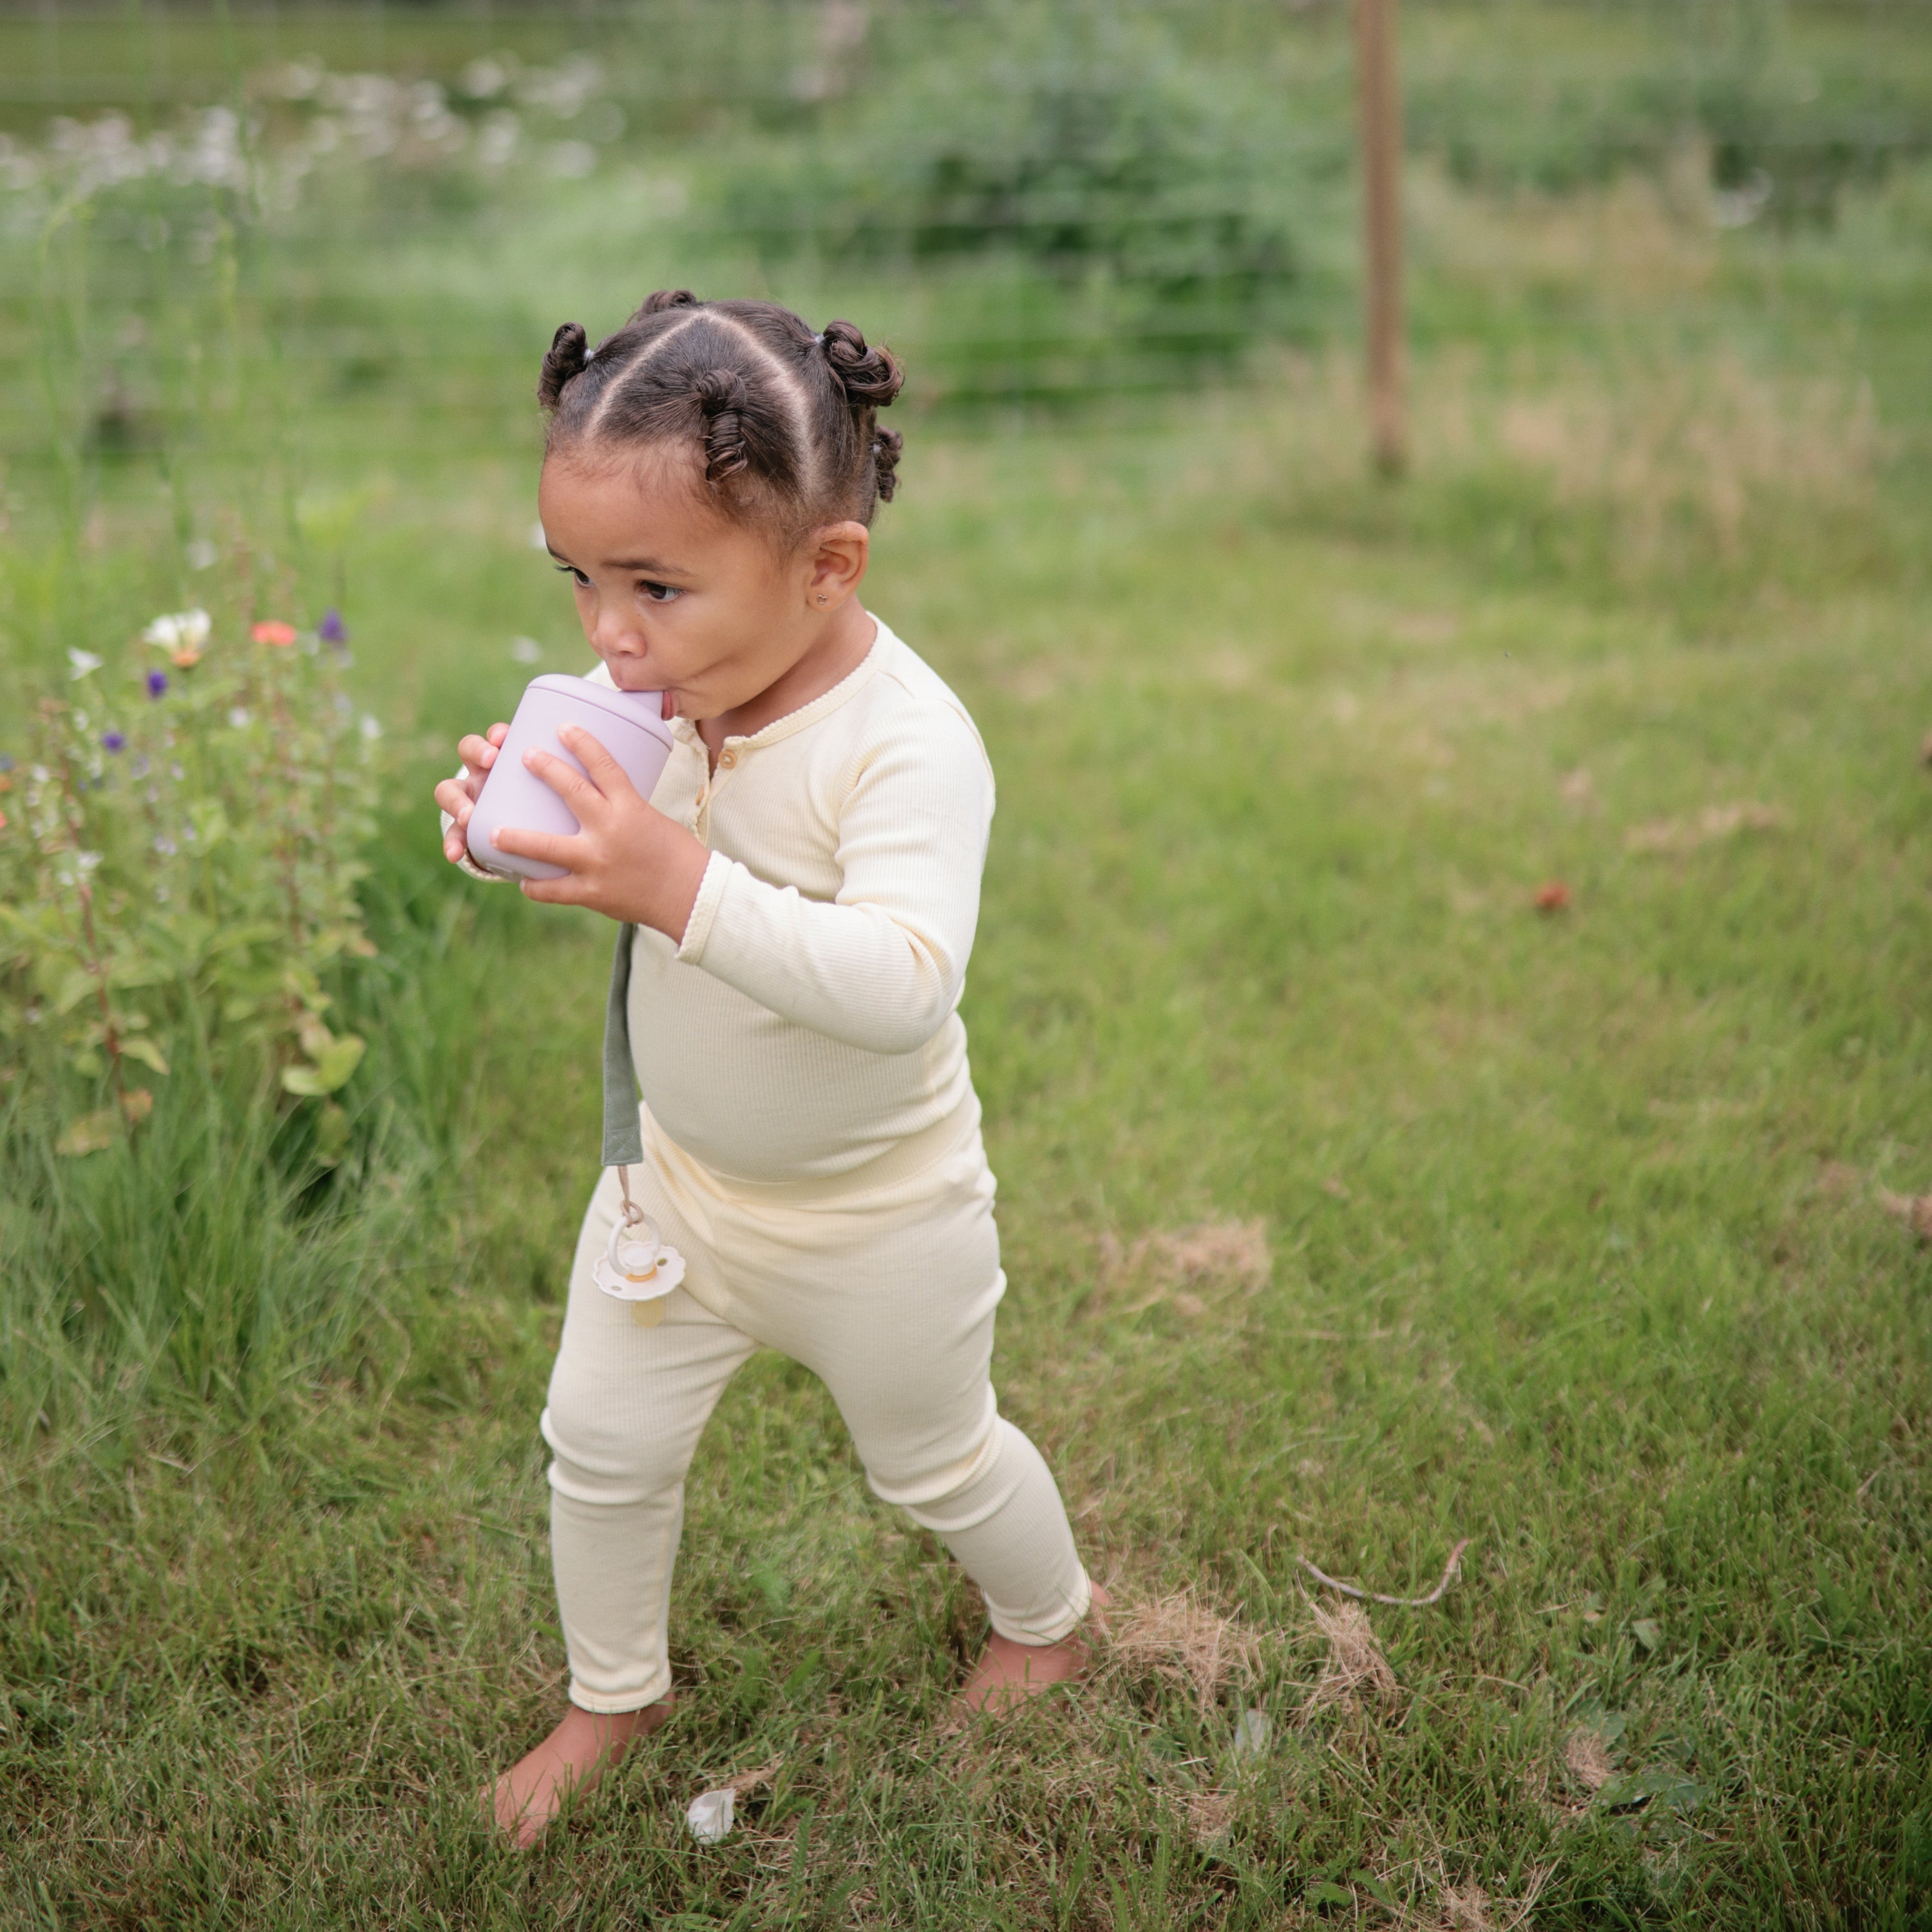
<point x="1085" y="146"/>
<point x="182" y="861"/>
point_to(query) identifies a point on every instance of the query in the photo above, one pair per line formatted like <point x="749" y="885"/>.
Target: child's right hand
<point x="457" y="796"/>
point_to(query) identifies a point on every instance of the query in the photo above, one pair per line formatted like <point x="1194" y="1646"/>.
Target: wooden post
<point x="1380" y="109"/>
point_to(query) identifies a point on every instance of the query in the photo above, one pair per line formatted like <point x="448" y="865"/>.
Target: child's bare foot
<point x="1008" y="1673"/>
<point x="572" y="1758"/>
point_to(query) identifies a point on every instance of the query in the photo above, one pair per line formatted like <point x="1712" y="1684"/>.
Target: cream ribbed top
<point x="809" y="1020"/>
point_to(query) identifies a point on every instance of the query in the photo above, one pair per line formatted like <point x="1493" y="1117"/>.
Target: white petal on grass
<point x="85" y="663"/>
<point x="371" y="728"/>
<point x="238" y="717"/>
<point x="527" y="650"/>
<point x="710" y="1815"/>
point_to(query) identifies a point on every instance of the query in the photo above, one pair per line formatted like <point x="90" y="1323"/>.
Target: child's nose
<point x="613" y="631"/>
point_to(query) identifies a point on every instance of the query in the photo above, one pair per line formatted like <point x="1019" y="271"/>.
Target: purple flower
<point x="158" y="683"/>
<point x="114" y="741"/>
<point x="332" y="630"/>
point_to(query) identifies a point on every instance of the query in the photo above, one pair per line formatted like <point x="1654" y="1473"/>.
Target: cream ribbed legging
<point x="884" y="1284"/>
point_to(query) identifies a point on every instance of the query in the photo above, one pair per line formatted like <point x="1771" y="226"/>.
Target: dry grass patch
<point x="1355" y="1668"/>
<point x="1172" y="1262"/>
<point x="1714" y="822"/>
<point x="1589" y="1763"/>
<point x="1184" y="1641"/>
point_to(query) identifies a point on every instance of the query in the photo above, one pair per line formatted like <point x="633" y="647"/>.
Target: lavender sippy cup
<point x="629" y="725"/>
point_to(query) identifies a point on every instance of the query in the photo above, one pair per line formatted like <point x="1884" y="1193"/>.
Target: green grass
<point x="1579" y="1247"/>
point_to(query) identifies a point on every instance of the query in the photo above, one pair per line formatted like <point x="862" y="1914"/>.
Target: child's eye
<point x="660" y="593"/>
<point x="576" y="576"/>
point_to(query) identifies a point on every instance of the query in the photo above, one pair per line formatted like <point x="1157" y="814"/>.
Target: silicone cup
<point x="629" y="725"/>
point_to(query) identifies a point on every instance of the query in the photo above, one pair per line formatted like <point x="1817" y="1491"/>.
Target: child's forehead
<point x="653" y="498"/>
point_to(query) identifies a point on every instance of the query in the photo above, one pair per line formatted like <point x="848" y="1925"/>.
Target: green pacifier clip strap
<point x="623" y="1137"/>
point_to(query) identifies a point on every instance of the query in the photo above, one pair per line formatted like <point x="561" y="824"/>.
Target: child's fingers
<point x="609" y="776"/>
<point x="568" y="891"/>
<point x="576" y="790"/>
<point x="552" y="847"/>
<point x="478" y="754"/>
<point x="454" y="797"/>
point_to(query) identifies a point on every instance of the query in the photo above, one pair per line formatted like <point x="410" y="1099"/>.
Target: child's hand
<point x="457" y="797"/>
<point x="628" y="861"/>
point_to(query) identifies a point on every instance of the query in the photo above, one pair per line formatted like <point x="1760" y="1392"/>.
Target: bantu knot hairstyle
<point x="786" y="421"/>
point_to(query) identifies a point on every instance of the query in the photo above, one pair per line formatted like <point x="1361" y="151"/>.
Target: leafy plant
<point x="182" y="856"/>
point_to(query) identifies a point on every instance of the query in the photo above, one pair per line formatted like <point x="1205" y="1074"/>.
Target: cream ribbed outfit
<point x="811" y="1147"/>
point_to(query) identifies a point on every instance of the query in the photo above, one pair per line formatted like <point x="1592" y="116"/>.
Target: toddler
<point x="797" y="900"/>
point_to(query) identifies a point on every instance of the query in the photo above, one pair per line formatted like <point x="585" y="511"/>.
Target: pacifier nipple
<point x="636" y="1262"/>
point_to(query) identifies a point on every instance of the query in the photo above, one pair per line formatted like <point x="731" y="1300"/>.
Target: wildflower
<point x="371" y="729"/>
<point x="274" y="631"/>
<point x="183" y="635"/>
<point x="238" y="717"/>
<point x="165" y="845"/>
<point x="332" y="630"/>
<point x="1552" y="897"/>
<point x="157" y="683"/>
<point x="85" y="663"/>
<point x="527" y="650"/>
<point x="169" y="633"/>
<point x="113" y="741"/>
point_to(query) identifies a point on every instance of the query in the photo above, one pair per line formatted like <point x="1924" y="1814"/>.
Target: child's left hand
<point x="628" y="861"/>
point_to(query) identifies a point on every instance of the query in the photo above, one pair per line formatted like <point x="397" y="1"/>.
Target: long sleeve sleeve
<point x="881" y="966"/>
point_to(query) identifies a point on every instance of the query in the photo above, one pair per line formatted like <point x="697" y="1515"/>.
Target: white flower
<point x="87" y="861"/>
<point x="85" y="663"/>
<point x="238" y="717"/>
<point x="201" y="554"/>
<point x="181" y="629"/>
<point x="527" y="650"/>
<point x="371" y="729"/>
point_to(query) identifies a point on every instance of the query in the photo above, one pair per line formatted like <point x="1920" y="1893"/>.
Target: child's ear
<point x="839" y="553"/>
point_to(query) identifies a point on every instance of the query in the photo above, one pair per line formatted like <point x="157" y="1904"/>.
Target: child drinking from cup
<point x="797" y="899"/>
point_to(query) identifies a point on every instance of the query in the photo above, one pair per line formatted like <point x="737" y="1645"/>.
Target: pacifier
<point x="636" y="1266"/>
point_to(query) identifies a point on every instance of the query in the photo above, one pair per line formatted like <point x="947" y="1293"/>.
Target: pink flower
<point x="273" y="632"/>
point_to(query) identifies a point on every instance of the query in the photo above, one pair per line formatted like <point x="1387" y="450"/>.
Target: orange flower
<point x="273" y="632"/>
<point x="186" y="657"/>
<point x="1554" y="897"/>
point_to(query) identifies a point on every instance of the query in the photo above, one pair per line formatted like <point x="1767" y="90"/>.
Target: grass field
<point x="1353" y="1206"/>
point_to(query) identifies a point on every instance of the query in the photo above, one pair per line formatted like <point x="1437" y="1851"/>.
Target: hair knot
<point x="568" y="354"/>
<point x="721" y="396"/>
<point x="886" y="446"/>
<point x="870" y="377"/>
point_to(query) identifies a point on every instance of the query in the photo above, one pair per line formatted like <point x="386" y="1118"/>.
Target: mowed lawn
<point x="1450" y="1009"/>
